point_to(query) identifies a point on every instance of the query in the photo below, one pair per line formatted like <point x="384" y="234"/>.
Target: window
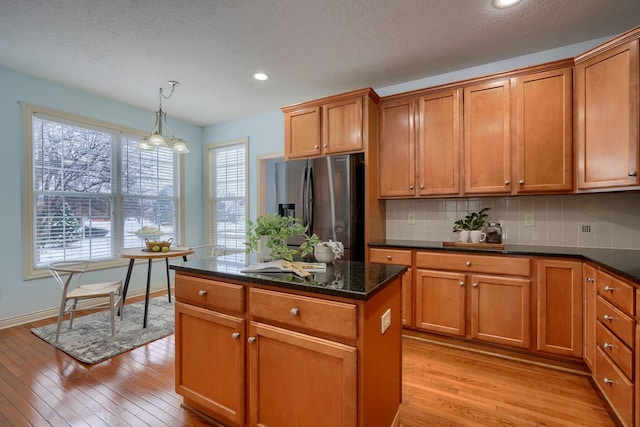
<point x="226" y="183"/>
<point x="89" y="192"/>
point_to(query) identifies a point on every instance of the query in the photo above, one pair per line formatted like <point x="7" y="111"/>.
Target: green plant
<point x="473" y="221"/>
<point x="278" y="229"/>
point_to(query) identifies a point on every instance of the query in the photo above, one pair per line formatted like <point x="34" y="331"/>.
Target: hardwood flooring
<point x="42" y="386"/>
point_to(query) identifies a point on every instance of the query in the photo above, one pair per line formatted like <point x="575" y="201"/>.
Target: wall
<point x="558" y="220"/>
<point x="17" y="296"/>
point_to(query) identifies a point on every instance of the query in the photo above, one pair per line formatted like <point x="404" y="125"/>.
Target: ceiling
<point x="126" y="49"/>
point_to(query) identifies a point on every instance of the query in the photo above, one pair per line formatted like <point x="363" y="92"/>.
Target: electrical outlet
<point x="529" y="220"/>
<point x="411" y="218"/>
<point x="385" y="321"/>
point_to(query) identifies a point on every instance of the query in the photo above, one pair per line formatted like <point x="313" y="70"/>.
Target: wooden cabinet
<point x="399" y="257"/>
<point x="607" y="114"/>
<point x="453" y="296"/>
<point x="328" y="126"/>
<point x="543" y="148"/>
<point x="559" y="306"/>
<point x="487" y="137"/>
<point x="637" y="384"/>
<point x="397" y="148"/>
<point x="590" y="293"/>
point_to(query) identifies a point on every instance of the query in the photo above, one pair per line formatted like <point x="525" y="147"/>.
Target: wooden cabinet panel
<point x="342" y="126"/>
<point x="559" y="306"/>
<point x="616" y="387"/>
<point x="213" y="294"/>
<point x="544" y="133"/>
<point x="590" y="292"/>
<point x="390" y="256"/>
<point x="302" y="133"/>
<point x="616" y="291"/>
<point x="487" y="138"/>
<point x="615" y="320"/>
<point x="501" y="310"/>
<point x="441" y="302"/>
<point x="207" y="347"/>
<point x="607" y="114"/>
<point x="297" y="379"/>
<point x="637" y="386"/>
<point x="397" y="147"/>
<point x="439" y="139"/>
<point x="399" y="257"/>
<point x="617" y="351"/>
<point x="407" y="299"/>
<point x="467" y="262"/>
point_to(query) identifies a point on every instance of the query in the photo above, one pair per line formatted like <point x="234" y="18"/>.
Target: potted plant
<point x="269" y="234"/>
<point x="328" y="251"/>
<point x="474" y="221"/>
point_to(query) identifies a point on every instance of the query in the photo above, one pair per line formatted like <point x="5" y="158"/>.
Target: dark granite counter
<point x="347" y="279"/>
<point x="625" y="263"/>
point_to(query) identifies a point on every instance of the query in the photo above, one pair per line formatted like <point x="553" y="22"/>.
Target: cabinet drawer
<point x="638" y="307"/>
<point x="210" y="293"/>
<point x="390" y="256"/>
<point x="314" y="314"/>
<point x="616" y="291"/>
<point x="615" y="320"/>
<point x="510" y="266"/>
<point x="619" y="353"/>
<point x="616" y="387"/>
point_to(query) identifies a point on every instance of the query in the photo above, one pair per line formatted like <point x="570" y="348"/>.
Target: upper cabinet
<point x="607" y="114"/>
<point x="333" y="125"/>
<point x="397" y="149"/>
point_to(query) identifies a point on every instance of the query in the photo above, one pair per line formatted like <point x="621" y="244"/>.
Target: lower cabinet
<point x="441" y="302"/>
<point x="637" y="408"/>
<point x="399" y="257"/>
<point x="590" y="293"/>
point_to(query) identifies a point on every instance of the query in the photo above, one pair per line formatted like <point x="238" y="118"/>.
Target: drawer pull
<point x="633" y="173"/>
<point x="606" y="345"/>
<point x="461" y="283"/>
<point x="235" y="335"/>
<point x="590" y="280"/>
<point x="521" y="182"/>
<point x="389" y="257"/>
<point x="607" y="381"/>
<point x="295" y="311"/>
<point x="422" y="186"/>
<point x="468" y="263"/>
<point x="326" y="145"/>
<point x="475" y="285"/>
<point x="507" y="182"/>
<point x="607" y="317"/>
<point x="251" y="340"/>
<point x="411" y="187"/>
<point x="608" y="288"/>
<point x="316" y="147"/>
<point x="202" y="292"/>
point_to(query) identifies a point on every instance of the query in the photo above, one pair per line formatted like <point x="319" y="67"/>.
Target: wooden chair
<point x="70" y="297"/>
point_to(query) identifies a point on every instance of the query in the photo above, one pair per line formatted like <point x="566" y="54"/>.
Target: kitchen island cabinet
<point x="272" y="349"/>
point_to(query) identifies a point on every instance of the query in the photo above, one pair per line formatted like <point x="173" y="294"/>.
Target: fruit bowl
<point x="158" y="246"/>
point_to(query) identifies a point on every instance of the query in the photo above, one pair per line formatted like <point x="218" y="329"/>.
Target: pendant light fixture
<point x="157" y="138"/>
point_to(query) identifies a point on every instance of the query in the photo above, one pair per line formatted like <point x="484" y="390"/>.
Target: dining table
<point x="149" y="255"/>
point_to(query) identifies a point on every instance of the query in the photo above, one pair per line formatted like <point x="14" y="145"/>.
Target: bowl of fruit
<point x="158" y="246"/>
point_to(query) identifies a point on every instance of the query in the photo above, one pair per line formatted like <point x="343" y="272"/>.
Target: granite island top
<point x="348" y="279"/>
<point x="624" y="262"/>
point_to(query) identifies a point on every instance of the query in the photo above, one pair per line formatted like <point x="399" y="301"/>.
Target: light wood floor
<point x="42" y="386"/>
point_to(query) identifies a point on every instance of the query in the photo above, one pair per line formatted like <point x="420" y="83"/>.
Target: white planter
<point x="324" y="254"/>
<point x="264" y="253"/>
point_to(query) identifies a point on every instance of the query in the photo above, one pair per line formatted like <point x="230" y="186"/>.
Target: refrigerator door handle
<point x="309" y="200"/>
<point x="304" y="196"/>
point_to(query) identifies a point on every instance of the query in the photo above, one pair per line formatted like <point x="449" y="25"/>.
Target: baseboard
<point x="53" y="312"/>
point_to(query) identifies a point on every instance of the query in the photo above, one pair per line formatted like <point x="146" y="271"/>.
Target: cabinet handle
<point x="607" y="380"/>
<point x="607" y="317"/>
<point x="202" y="292"/>
<point x="326" y="145"/>
<point x="235" y="335"/>
<point x="507" y="182"/>
<point x="475" y="285"/>
<point x="422" y="186"/>
<point x="468" y="263"/>
<point x="461" y="283"/>
<point x="295" y="311"/>
<point x="316" y="147"/>
<point x="608" y="288"/>
<point x="633" y="173"/>
<point x="251" y="340"/>
<point x="389" y="257"/>
<point x="590" y="279"/>
<point x="607" y="345"/>
<point x="521" y="182"/>
<point x="411" y="187"/>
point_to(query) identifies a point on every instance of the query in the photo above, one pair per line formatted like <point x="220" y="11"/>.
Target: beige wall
<point x="614" y="219"/>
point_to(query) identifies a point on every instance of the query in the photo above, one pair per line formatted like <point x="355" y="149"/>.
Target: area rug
<point x="90" y="340"/>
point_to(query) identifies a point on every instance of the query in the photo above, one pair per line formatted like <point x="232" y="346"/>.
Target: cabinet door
<point x="397" y="146"/>
<point x="210" y="361"/>
<point x="487" y="138"/>
<point x="559" y="313"/>
<point x="300" y="380"/>
<point x="590" y="293"/>
<point x="637" y="408"/>
<point x="441" y="301"/>
<point x="501" y="310"/>
<point x="607" y="97"/>
<point x="342" y="126"/>
<point x="302" y="133"/>
<point x="439" y="137"/>
<point x="544" y="134"/>
<point x="407" y="299"/>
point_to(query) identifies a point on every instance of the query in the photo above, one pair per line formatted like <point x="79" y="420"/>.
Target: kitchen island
<point x="274" y="349"/>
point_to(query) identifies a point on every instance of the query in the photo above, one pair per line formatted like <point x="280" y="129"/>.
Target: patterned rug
<point x="90" y="340"/>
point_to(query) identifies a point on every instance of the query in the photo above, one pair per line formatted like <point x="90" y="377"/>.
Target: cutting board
<point x="492" y="246"/>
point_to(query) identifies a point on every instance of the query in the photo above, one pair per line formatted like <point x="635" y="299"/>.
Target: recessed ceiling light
<point x="261" y="76"/>
<point x="501" y="4"/>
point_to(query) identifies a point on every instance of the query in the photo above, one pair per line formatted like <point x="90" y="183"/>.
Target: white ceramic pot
<point x="464" y="236"/>
<point x="477" y="236"/>
<point x="264" y="253"/>
<point x="323" y="254"/>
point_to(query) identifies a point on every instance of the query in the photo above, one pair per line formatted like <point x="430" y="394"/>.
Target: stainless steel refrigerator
<point x="327" y="194"/>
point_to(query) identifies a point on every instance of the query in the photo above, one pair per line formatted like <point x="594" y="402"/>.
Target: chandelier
<point x="157" y="138"/>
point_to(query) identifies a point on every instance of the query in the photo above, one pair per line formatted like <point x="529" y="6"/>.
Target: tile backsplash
<point x="613" y="219"/>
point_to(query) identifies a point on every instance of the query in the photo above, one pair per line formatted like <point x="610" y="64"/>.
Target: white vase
<point x="464" y="236"/>
<point x="323" y="254"/>
<point x="264" y="253"/>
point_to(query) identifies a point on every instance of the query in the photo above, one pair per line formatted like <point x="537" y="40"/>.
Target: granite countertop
<point x="347" y="279"/>
<point x="624" y="262"/>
